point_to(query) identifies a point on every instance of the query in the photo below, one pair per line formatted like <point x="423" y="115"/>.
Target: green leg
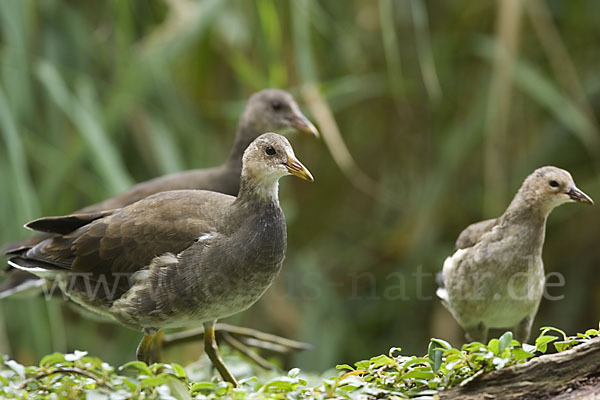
<point x="523" y="329"/>
<point x="143" y="350"/>
<point x="212" y="351"/>
<point x="478" y="333"/>
<point x="156" y="348"/>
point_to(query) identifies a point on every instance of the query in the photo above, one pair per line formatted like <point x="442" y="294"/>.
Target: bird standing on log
<point x="495" y="278"/>
<point x="177" y="256"/>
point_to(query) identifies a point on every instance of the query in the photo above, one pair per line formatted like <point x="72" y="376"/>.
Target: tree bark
<point x="572" y="374"/>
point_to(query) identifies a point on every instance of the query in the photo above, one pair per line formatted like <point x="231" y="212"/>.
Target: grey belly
<point x="179" y="303"/>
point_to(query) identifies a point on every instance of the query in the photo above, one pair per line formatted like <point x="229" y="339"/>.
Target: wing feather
<point x="126" y="240"/>
<point x="474" y="232"/>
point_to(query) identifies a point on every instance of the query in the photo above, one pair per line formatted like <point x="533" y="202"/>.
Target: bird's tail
<point x="441" y="292"/>
<point x="439" y="279"/>
<point x="20" y="283"/>
<point x="22" y="244"/>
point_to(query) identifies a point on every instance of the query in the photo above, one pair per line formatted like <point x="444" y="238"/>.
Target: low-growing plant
<point x="395" y="376"/>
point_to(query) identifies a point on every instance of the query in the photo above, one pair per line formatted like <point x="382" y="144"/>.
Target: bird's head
<point x="552" y="186"/>
<point x="276" y="110"/>
<point x="269" y="157"/>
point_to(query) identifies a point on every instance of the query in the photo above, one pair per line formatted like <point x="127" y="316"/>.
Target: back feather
<point x="473" y="233"/>
<point x="65" y="224"/>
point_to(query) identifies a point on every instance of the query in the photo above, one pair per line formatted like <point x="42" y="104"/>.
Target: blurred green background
<point x="441" y="109"/>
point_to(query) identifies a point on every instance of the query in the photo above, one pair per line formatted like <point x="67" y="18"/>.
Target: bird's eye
<point x="276" y="105"/>
<point x="270" y="150"/>
<point x="553" y="183"/>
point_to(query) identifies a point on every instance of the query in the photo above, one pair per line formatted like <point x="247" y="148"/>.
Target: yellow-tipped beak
<point x="302" y="124"/>
<point x="296" y="168"/>
<point x="579" y="196"/>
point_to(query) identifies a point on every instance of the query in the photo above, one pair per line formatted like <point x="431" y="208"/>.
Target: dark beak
<point x="302" y="124"/>
<point x="296" y="168"/>
<point x="579" y="196"/>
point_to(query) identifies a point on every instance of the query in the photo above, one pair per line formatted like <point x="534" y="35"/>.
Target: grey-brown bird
<point x="266" y="111"/>
<point x="495" y="278"/>
<point x="177" y="256"/>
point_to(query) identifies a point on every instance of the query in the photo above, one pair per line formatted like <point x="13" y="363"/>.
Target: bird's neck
<point x="258" y="193"/>
<point x="526" y="222"/>
<point x="264" y="228"/>
<point x="244" y="135"/>
<point x="529" y="206"/>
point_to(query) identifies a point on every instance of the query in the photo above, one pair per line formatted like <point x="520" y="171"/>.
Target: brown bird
<point x="495" y="279"/>
<point x="267" y="110"/>
<point x="176" y="256"/>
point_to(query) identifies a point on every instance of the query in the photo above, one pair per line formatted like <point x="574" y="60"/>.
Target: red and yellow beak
<point x="296" y="168"/>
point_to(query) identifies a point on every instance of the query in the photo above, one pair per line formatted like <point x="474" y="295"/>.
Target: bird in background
<point x="495" y="278"/>
<point x="177" y="256"/>
<point x="268" y="110"/>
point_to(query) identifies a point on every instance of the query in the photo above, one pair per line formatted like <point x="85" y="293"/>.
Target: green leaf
<point x="416" y="361"/>
<point x="563" y="345"/>
<point x="474" y="346"/>
<point x="592" y="332"/>
<point x="505" y="342"/>
<point x="156" y="380"/>
<point x="494" y="346"/>
<point x="382" y="360"/>
<point x="418" y="373"/>
<point x="349" y="387"/>
<point x="547" y="329"/>
<point x="223" y="388"/>
<point x="131" y="385"/>
<point x="294" y="372"/>
<point x="442" y="343"/>
<point x="203" y="386"/>
<point x="344" y="366"/>
<point x="179" y="370"/>
<point x="435" y="355"/>
<point x="52" y="359"/>
<point x="521" y="354"/>
<point x="178" y="389"/>
<point x="139" y="365"/>
<point x="541" y="342"/>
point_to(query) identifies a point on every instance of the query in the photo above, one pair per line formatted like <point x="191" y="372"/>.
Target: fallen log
<point x="571" y="374"/>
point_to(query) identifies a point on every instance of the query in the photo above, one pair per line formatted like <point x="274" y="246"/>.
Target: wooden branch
<point x="281" y="344"/>
<point x="572" y="374"/>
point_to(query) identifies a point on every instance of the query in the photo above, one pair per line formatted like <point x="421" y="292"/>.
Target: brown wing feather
<point x="129" y="238"/>
<point x="473" y="233"/>
<point x="65" y="224"/>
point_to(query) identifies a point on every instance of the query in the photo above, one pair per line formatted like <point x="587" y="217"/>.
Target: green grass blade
<point x="547" y="94"/>
<point x="104" y="155"/>
<point x="423" y="42"/>
<point x="26" y="207"/>
<point x="271" y="29"/>
<point x="390" y="46"/>
<point x="164" y="149"/>
<point x="301" y="32"/>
